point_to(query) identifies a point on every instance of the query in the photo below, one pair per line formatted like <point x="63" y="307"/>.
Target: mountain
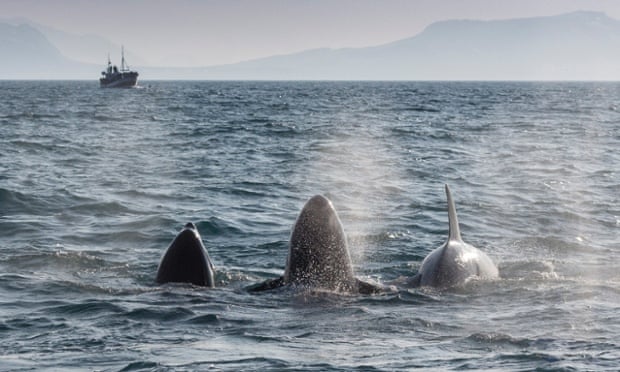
<point x="27" y="53"/>
<point x="574" y="46"/>
<point x="86" y="48"/>
<point x="22" y="46"/>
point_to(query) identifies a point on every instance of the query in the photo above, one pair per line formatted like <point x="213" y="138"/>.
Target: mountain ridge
<point x="581" y="45"/>
<point x="572" y="46"/>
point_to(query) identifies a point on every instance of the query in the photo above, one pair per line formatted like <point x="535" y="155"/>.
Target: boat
<point x="112" y="77"/>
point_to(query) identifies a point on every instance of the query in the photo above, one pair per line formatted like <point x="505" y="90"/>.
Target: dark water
<point x="94" y="184"/>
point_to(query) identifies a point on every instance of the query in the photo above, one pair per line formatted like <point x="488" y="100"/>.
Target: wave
<point x="89" y="308"/>
<point x="205" y="319"/>
<point x="215" y="226"/>
<point x="142" y="366"/>
<point x="230" y="364"/>
<point x="499" y="339"/>
<point x="14" y="202"/>
<point x="166" y="314"/>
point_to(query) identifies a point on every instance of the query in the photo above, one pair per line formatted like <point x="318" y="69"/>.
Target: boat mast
<point x="122" y="58"/>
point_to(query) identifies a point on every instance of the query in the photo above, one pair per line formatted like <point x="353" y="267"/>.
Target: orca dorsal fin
<point x="453" y="230"/>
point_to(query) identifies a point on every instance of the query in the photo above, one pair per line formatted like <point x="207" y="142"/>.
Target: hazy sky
<point x="208" y="32"/>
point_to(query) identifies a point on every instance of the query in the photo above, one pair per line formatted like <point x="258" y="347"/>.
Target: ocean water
<point x="95" y="183"/>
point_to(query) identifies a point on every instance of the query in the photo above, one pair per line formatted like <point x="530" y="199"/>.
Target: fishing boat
<point x="113" y="77"/>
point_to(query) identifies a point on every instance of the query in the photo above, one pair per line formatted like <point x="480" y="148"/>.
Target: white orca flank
<point x="456" y="261"/>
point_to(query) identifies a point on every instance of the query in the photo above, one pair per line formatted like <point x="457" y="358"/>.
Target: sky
<point x="187" y="33"/>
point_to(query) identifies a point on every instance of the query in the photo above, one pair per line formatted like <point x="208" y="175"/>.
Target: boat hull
<point x="122" y="80"/>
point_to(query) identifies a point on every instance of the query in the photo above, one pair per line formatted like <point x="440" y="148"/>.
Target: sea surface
<point x="95" y="183"/>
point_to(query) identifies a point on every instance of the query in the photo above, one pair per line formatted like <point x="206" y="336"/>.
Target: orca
<point x="318" y="256"/>
<point x="456" y="261"/>
<point x="186" y="260"/>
